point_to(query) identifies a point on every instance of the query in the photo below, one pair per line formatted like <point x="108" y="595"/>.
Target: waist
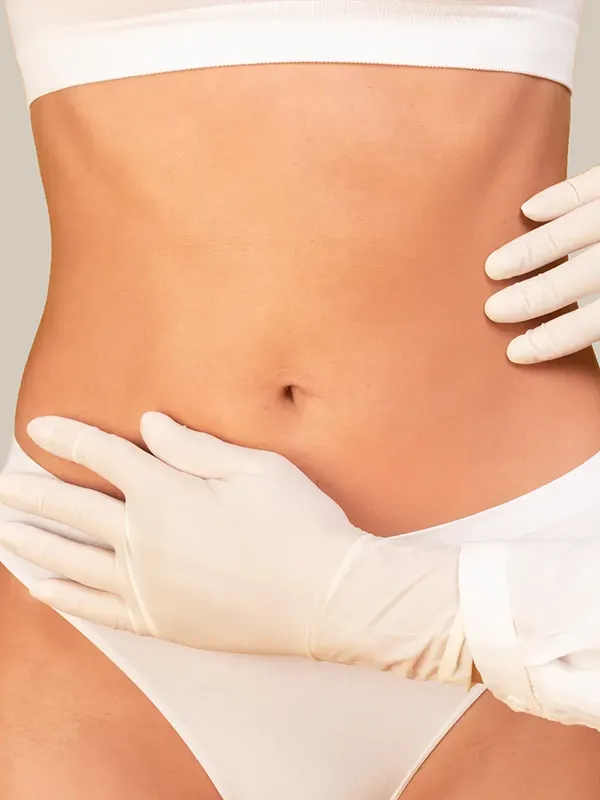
<point x="402" y="435"/>
<point x="315" y="287"/>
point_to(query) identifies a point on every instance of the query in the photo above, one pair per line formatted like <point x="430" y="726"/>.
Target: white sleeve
<point x="531" y="617"/>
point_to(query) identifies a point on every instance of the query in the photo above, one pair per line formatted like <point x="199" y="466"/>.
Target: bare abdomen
<point x="291" y="257"/>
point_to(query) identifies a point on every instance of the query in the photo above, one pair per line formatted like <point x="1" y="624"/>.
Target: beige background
<point x="24" y="236"/>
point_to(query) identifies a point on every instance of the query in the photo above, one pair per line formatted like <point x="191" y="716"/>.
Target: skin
<point x="291" y="257"/>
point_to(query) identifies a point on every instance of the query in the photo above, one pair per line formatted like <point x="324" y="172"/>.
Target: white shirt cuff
<point x="488" y="623"/>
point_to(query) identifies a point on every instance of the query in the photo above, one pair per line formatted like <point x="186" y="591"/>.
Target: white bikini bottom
<point x="264" y="728"/>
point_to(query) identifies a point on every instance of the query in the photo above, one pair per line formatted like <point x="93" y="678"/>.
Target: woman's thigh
<point x="72" y="725"/>
<point x="494" y="753"/>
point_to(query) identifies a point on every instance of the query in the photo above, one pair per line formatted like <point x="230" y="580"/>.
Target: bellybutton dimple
<point x="289" y="393"/>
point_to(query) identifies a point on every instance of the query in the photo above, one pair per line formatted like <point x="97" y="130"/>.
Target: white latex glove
<point x="571" y="211"/>
<point x="227" y="548"/>
<point x="222" y="547"/>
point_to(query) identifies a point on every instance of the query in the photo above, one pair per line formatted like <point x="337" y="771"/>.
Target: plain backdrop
<point x="24" y="232"/>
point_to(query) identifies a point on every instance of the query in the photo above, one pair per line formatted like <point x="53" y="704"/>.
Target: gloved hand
<point x="227" y="548"/>
<point x="571" y="211"/>
<point x="222" y="547"/>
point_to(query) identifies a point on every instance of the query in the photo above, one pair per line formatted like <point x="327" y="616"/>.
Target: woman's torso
<point x="291" y="257"/>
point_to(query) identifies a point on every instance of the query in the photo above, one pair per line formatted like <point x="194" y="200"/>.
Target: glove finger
<point x="83" y="563"/>
<point x="558" y="287"/>
<point x="194" y="452"/>
<point x="117" y="460"/>
<point x="557" y="239"/>
<point x="93" y="513"/>
<point x="566" y="334"/>
<point x="81" y="601"/>
<point x="564" y="196"/>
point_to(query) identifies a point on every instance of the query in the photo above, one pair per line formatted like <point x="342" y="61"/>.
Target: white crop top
<point x="62" y="43"/>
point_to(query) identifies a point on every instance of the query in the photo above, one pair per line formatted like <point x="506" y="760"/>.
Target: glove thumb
<point x="190" y="451"/>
